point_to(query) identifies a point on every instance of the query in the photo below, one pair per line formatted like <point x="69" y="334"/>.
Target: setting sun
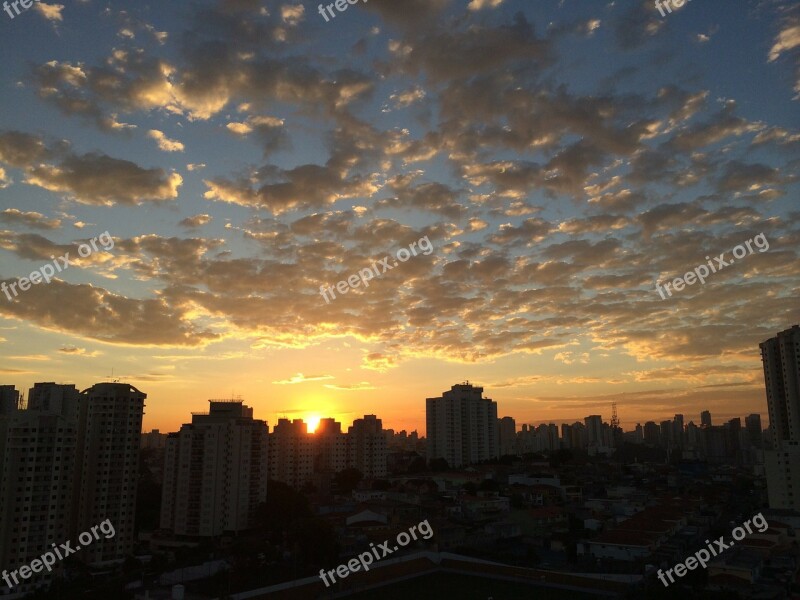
<point x="312" y="421"/>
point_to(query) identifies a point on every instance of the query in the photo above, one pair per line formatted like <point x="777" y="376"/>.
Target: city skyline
<point x="318" y="418"/>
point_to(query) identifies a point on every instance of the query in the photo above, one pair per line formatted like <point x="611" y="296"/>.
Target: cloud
<point x="164" y="143"/>
<point x="100" y="315"/>
<point x="30" y="219"/>
<point x="355" y="387"/>
<point x="269" y="131"/>
<point x="196" y="221"/>
<point x="101" y="180"/>
<point x="292" y="14"/>
<point x="20" y="149"/>
<point x="77" y="351"/>
<point x="788" y="42"/>
<point x="302" y="187"/>
<point x="475" y="5"/>
<point x="51" y="12"/>
<point x="300" y="378"/>
<point x="787" y="39"/>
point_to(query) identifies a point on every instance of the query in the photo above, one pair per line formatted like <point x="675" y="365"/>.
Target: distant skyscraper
<point x="666" y="434"/>
<point x="154" y="440"/>
<point x="366" y="446"/>
<point x="705" y="419"/>
<point x="507" y="429"/>
<point x="594" y="430"/>
<point x="781" y="360"/>
<point x="752" y="424"/>
<point x="652" y="434"/>
<point x="109" y="437"/>
<point x="215" y="471"/>
<point x="678" y="430"/>
<point x="462" y="426"/>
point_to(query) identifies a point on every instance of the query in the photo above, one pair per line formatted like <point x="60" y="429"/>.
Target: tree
<point x="283" y="505"/>
<point x="417" y="465"/>
<point x="347" y="480"/>
<point x="489" y="485"/>
<point x="438" y="465"/>
<point x="560" y="456"/>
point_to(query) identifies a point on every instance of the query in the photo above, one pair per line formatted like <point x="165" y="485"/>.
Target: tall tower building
<point x="291" y="453"/>
<point x="594" y="429"/>
<point x="462" y="426"/>
<point x="705" y="419"/>
<point x="9" y="399"/>
<point x="507" y="429"/>
<point x="781" y="359"/>
<point x="215" y="471"/>
<point x="752" y="424"/>
<point x="678" y="430"/>
<point x="37" y="478"/>
<point x="366" y="446"/>
<point x="330" y="447"/>
<point x="107" y="458"/>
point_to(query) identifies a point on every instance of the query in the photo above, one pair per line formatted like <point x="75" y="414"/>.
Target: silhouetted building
<point x="781" y="360"/>
<point x="366" y="446"/>
<point x="652" y="434"/>
<point x="154" y="439"/>
<point x="752" y="424"/>
<point x="507" y="429"/>
<point x="330" y="447"/>
<point x="462" y="426"/>
<point x="9" y="399"/>
<point x="38" y="478"/>
<point x="108" y="461"/>
<point x="291" y="453"/>
<point x="215" y="471"/>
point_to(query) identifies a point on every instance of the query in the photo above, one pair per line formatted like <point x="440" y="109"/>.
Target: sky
<point x="554" y="159"/>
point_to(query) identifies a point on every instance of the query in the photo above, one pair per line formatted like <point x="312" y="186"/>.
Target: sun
<point x="312" y="421"/>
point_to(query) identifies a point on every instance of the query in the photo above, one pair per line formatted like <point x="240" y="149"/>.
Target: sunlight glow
<point x="313" y="422"/>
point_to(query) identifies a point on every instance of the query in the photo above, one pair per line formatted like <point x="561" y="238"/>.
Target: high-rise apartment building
<point x="594" y="429"/>
<point x="462" y="426"/>
<point x="652" y="434"/>
<point x="507" y="436"/>
<point x="9" y="399"/>
<point x="705" y="419"/>
<point x="781" y="360"/>
<point x="291" y="453"/>
<point x="752" y="423"/>
<point x="678" y="430"/>
<point x="215" y="471"/>
<point x="330" y="447"/>
<point x="109" y="436"/>
<point x="37" y="477"/>
<point x="366" y="446"/>
<point x="154" y="440"/>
